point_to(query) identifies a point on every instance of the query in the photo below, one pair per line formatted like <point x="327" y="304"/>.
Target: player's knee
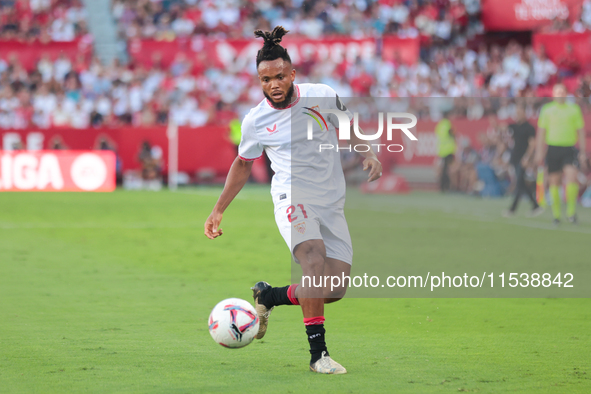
<point x="336" y="294"/>
<point x="311" y="255"/>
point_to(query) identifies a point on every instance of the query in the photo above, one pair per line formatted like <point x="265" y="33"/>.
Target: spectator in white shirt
<point x="80" y="119"/>
<point x="183" y="26"/>
<point x="38" y="6"/>
<point x="44" y="101"/>
<point x="62" y="67"/>
<point x="62" y="30"/>
<point x="60" y="117"/>
<point x="543" y="69"/>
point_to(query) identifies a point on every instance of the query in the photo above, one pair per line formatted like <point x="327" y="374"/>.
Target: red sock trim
<point x="314" y="321"/>
<point x="291" y="295"/>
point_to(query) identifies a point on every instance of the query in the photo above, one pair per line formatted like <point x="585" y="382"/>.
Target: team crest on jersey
<point x="300" y="227"/>
<point x="314" y="114"/>
<point x="272" y="130"/>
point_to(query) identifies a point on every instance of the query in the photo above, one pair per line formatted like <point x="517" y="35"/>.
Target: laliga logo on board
<point x="26" y="171"/>
<point x="62" y="171"/>
<point x="89" y="172"/>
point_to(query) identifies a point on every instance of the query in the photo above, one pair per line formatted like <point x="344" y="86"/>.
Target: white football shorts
<point x="303" y="222"/>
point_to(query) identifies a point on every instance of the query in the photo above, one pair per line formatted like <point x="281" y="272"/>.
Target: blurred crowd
<point x="44" y="20"/>
<point x="438" y="20"/>
<point x="66" y="93"/>
<point x="165" y="20"/>
<point x="495" y="152"/>
<point x="79" y="94"/>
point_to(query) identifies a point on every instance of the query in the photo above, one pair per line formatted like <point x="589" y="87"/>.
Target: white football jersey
<point x="302" y="171"/>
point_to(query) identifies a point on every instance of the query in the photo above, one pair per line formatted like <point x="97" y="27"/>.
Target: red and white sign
<point x="29" y="53"/>
<point x="555" y="46"/>
<point x="241" y="53"/>
<point x="57" y="171"/>
<point x="203" y="148"/>
<point x="513" y="15"/>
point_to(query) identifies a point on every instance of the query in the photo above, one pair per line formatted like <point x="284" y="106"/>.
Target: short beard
<point x="282" y="104"/>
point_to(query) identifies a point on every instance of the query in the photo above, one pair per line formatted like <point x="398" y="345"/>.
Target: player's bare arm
<point x="237" y="177"/>
<point x="582" y="149"/>
<point x="371" y="161"/>
<point x="540" y="151"/>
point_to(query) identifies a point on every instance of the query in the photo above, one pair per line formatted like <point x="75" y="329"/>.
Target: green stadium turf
<point x="110" y="293"/>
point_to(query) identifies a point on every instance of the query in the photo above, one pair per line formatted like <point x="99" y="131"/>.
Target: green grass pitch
<point x="110" y="293"/>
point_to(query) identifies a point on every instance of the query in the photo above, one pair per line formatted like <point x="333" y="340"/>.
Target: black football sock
<point x="275" y="296"/>
<point x="317" y="342"/>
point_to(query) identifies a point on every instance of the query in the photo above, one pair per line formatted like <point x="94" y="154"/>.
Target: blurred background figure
<point x="150" y="158"/>
<point x="446" y="151"/>
<point x="523" y="134"/>
<point x="467" y="176"/>
<point x="560" y="126"/>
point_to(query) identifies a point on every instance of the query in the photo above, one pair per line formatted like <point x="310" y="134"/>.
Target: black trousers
<point x="444" y="179"/>
<point x="522" y="188"/>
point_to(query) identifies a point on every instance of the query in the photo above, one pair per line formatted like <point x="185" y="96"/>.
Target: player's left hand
<point x="375" y="169"/>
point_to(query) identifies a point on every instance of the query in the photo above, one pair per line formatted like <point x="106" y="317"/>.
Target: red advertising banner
<point x="518" y="15"/>
<point x="241" y="53"/>
<point x="423" y="152"/>
<point x="555" y="45"/>
<point x="57" y="171"/>
<point x="208" y="148"/>
<point x="30" y="53"/>
<point x="200" y="148"/>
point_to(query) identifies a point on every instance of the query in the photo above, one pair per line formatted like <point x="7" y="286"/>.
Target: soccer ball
<point x="233" y="323"/>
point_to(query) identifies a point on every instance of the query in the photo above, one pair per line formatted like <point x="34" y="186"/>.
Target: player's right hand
<point x="212" y="225"/>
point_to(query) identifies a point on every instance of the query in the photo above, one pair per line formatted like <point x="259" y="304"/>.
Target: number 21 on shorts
<point x="292" y="209"/>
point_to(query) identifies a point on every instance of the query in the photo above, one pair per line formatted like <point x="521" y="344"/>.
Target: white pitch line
<point x="16" y="226"/>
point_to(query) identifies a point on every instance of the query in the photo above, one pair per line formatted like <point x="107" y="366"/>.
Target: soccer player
<point x="559" y="126"/>
<point x="446" y="151"/>
<point x="308" y="189"/>
<point x="524" y="135"/>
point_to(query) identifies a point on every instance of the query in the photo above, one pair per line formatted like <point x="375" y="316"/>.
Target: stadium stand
<point x="72" y="90"/>
<point x="45" y="20"/>
<point x="192" y="61"/>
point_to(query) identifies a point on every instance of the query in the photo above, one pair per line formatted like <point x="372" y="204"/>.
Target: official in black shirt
<point x="524" y="135"/>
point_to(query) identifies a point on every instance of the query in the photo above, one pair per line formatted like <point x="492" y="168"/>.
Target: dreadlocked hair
<point x="271" y="49"/>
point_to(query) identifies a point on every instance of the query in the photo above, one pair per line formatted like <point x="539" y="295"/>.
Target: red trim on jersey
<point x="291" y="294"/>
<point x="290" y="105"/>
<point x="314" y="321"/>
<point x="245" y="159"/>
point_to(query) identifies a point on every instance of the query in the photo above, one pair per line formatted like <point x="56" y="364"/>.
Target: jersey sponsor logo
<point x="273" y="130"/>
<point x="300" y="227"/>
<point x="315" y="115"/>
